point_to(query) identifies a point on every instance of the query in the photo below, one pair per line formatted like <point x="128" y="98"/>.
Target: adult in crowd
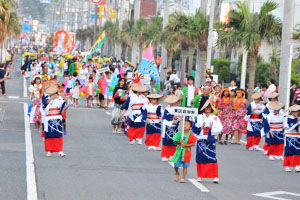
<point x="3" y="74"/>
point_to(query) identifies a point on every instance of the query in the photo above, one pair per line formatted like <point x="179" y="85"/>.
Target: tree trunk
<point x="202" y="70"/>
<point x="234" y="59"/>
<point x="273" y="69"/>
<point x="191" y="60"/>
<point x="252" y="68"/>
<point x="184" y="54"/>
<point x="244" y="69"/>
<point x="170" y="57"/>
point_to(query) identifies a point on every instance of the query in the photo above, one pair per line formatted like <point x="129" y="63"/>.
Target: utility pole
<point x="137" y="5"/>
<point x="89" y="15"/>
<point x="121" y="19"/>
<point x="203" y="7"/>
<point x="286" y="51"/>
<point x="95" y="25"/>
<point x="164" y="53"/>
<point x="210" y="33"/>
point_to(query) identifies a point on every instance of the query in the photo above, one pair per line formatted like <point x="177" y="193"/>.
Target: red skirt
<point x="54" y="144"/>
<point x="207" y="170"/>
<point x="275" y="150"/>
<point x="252" y="141"/>
<point x="167" y="151"/>
<point x="291" y="161"/>
<point x="135" y="133"/>
<point x="265" y="146"/>
<point x="152" y="140"/>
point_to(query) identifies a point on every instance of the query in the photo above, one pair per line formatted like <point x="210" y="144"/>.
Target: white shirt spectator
<point x="272" y="88"/>
<point x="174" y="78"/>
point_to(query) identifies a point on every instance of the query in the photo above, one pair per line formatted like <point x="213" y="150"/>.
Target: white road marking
<point x="199" y="185"/>
<point x="244" y="142"/>
<point x="13" y="97"/>
<point x="108" y="113"/>
<point x="30" y="171"/>
<point x="272" y="195"/>
<point x="24" y="87"/>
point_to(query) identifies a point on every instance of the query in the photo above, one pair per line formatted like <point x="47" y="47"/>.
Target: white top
<point x="211" y="119"/>
<point x="272" y="88"/>
<point x="134" y="106"/>
<point x="191" y="94"/>
<point x="83" y="74"/>
<point x="91" y="92"/>
<point x="174" y="78"/>
<point x="69" y="83"/>
<point x="116" y="72"/>
<point x="151" y="113"/>
<point x="76" y="91"/>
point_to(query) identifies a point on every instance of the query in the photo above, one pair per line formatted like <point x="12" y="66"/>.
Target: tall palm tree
<point x="140" y="27"/>
<point x="177" y="25"/>
<point x="128" y="35"/>
<point x="196" y="31"/>
<point x="153" y="33"/>
<point x="252" y="29"/>
<point x="5" y="11"/>
<point x="113" y="34"/>
<point x="14" y="28"/>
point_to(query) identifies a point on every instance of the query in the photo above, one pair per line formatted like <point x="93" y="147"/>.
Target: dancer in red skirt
<point x="53" y="127"/>
<point x="170" y="128"/>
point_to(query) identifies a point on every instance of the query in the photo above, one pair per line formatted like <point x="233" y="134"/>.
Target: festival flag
<point x="148" y="65"/>
<point x="98" y="44"/>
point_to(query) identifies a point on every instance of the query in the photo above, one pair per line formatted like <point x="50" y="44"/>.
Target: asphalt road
<point x="102" y="165"/>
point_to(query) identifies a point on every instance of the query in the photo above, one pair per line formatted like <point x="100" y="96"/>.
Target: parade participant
<point x="83" y="74"/>
<point x="272" y="97"/>
<point x="225" y="116"/>
<point x="69" y="85"/>
<point x="135" y="102"/>
<point x="119" y="93"/>
<point x="205" y="128"/>
<point x="53" y="128"/>
<point x="239" y="126"/>
<point x="188" y="93"/>
<point x="170" y="128"/>
<point x="254" y="119"/>
<point x="102" y="87"/>
<point x="35" y="99"/>
<point x="76" y="93"/>
<point x="273" y="129"/>
<point x="89" y="92"/>
<point x="216" y="95"/>
<point x="109" y="89"/>
<point x="200" y="99"/>
<point x="152" y="114"/>
<point x="292" y="140"/>
<point x="182" y="156"/>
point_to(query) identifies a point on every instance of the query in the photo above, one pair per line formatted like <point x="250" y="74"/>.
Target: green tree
<point x="252" y="29"/>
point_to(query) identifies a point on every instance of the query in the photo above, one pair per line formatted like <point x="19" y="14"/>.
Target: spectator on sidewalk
<point x="2" y="76"/>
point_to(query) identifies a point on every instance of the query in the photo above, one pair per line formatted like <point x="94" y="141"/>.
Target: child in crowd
<point x="119" y="99"/>
<point x="178" y="91"/>
<point x="89" y="92"/>
<point x="76" y="93"/>
<point x="182" y="156"/>
<point x="152" y="114"/>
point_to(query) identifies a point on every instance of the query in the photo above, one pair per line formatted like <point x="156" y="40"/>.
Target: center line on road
<point x="244" y="142"/>
<point x="198" y="185"/>
<point x="24" y="87"/>
<point x="13" y="97"/>
<point x="30" y="171"/>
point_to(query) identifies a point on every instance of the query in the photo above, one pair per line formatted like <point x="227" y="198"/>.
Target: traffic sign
<point x="98" y="2"/>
